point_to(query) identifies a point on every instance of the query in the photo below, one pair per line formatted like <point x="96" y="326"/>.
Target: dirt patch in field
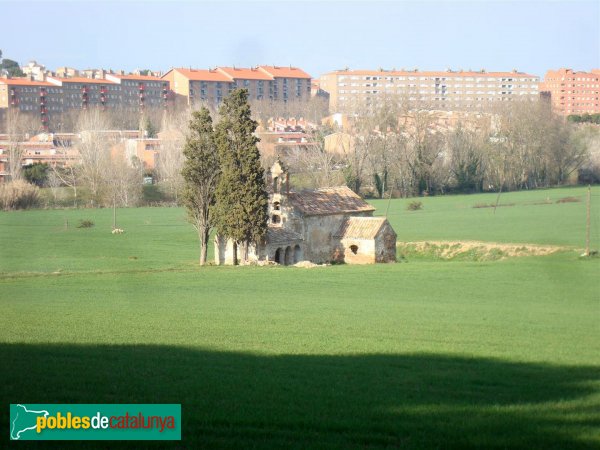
<point x="472" y="250"/>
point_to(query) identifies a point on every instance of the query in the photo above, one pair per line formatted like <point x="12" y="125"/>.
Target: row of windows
<point x="455" y="84"/>
<point x="442" y="99"/>
<point x="436" y="79"/>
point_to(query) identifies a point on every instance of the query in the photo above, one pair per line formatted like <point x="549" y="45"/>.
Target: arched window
<point x="354" y="249"/>
<point x="275" y="218"/>
<point x="276" y="206"/>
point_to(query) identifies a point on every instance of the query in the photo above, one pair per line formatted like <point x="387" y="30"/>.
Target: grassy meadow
<point x="420" y="354"/>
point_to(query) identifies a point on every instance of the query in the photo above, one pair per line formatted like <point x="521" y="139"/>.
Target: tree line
<point x="405" y="151"/>
<point x="393" y="149"/>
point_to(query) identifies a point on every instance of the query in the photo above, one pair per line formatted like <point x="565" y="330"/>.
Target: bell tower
<point x="278" y="184"/>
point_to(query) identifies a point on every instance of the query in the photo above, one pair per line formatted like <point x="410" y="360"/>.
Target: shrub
<point x="492" y="205"/>
<point x="85" y="223"/>
<point x="568" y="200"/>
<point x="414" y="206"/>
<point x="18" y="194"/>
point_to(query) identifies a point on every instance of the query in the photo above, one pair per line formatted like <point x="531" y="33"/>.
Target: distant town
<point x="145" y="115"/>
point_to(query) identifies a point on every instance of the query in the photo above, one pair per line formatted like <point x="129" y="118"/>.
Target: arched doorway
<point x="279" y="256"/>
<point x="288" y="256"/>
<point x="297" y="254"/>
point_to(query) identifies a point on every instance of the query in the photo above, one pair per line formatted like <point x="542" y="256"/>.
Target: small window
<point x="275" y="218"/>
<point x="354" y="249"/>
<point x="276" y="206"/>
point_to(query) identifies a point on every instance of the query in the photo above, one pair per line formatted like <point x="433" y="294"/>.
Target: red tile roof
<point x="284" y="72"/>
<point x="81" y="80"/>
<point x="327" y="201"/>
<point x="244" y="74"/>
<point x="23" y="82"/>
<point x="135" y="77"/>
<point x="412" y="73"/>
<point x="202" y="75"/>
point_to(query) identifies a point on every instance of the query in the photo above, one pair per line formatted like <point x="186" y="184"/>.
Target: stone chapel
<point x="320" y="226"/>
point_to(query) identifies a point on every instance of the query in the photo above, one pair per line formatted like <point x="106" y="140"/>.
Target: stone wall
<point x="385" y="245"/>
<point x="358" y="251"/>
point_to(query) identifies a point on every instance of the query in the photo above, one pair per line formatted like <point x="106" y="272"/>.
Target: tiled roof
<point x="203" y="75"/>
<point x="23" y="82"/>
<point x="412" y="73"/>
<point x="81" y="80"/>
<point x="135" y="77"/>
<point x="284" y="72"/>
<point x="278" y="235"/>
<point x="335" y="200"/>
<point x="245" y="74"/>
<point x="360" y="227"/>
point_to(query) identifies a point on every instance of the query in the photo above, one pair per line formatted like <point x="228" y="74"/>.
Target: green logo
<point x="41" y="422"/>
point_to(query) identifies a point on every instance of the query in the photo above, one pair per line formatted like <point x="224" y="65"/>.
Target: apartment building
<point x="572" y="92"/>
<point x="56" y="95"/>
<point x="283" y="84"/>
<point x="354" y="90"/>
<point x="82" y="93"/>
<point x="38" y="98"/>
<point x="141" y="90"/>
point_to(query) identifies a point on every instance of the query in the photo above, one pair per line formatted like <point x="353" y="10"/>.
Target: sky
<point x="317" y="36"/>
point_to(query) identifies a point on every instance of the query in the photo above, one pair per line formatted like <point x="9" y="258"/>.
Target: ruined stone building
<point x="321" y="225"/>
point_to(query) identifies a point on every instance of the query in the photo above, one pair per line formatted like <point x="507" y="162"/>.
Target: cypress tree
<point x="201" y="173"/>
<point x="241" y="198"/>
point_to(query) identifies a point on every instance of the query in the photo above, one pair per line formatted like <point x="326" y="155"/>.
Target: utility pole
<point x="587" y="222"/>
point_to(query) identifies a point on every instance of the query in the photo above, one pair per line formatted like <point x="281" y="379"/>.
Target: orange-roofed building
<point x="37" y="98"/>
<point x="142" y="90"/>
<point x="263" y="82"/>
<point x="353" y="91"/>
<point x="82" y="93"/>
<point x="573" y="92"/>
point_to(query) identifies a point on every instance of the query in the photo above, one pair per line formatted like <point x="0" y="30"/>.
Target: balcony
<point x="84" y="90"/>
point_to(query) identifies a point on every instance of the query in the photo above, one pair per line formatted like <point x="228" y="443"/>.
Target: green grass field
<point x="419" y="354"/>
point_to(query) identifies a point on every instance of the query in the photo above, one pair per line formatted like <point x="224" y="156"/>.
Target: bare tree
<point x="94" y="150"/>
<point x="170" y="158"/>
<point x="19" y="127"/>
<point x="315" y="162"/>
<point x="467" y="159"/>
<point x="123" y="181"/>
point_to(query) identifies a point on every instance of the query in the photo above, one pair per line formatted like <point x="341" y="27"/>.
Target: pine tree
<point x="201" y="174"/>
<point x="241" y="198"/>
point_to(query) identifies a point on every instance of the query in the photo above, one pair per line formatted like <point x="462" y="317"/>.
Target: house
<point x="320" y="225"/>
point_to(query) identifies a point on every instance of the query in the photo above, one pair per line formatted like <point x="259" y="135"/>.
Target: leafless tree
<point x="19" y="127"/>
<point x="170" y="159"/>
<point x="315" y="162"/>
<point x="94" y="151"/>
<point x="468" y="156"/>
<point x="123" y="181"/>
